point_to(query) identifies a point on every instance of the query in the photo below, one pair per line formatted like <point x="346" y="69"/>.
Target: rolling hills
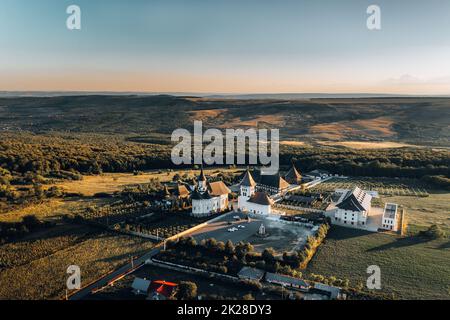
<point x="418" y="121"/>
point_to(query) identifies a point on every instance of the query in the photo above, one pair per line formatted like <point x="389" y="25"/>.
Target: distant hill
<point x="147" y="118"/>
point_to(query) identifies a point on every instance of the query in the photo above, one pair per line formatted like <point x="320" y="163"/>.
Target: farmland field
<point x="112" y="182"/>
<point x="411" y="268"/>
<point x="384" y="186"/>
<point x="48" y="258"/>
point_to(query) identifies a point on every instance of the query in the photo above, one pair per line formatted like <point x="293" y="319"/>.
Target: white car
<point x="241" y="226"/>
<point x="237" y="218"/>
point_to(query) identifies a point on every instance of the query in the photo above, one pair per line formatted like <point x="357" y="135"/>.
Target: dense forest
<point x="26" y="156"/>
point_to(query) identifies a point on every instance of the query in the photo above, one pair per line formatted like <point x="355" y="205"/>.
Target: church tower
<point x="247" y="189"/>
<point x="201" y="183"/>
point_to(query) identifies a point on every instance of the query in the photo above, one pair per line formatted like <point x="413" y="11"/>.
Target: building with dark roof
<point x="286" y="281"/>
<point x="293" y="176"/>
<point x="247" y="180"/>
<point x="332" y="292"/>
<point x="271" y="184"/>
<point x="247" y="273"/>
<point x="351" y="209"/>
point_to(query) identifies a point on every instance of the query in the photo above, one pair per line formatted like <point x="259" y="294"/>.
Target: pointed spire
<point x="248" y="180"/>
<point x="202" y="176"/>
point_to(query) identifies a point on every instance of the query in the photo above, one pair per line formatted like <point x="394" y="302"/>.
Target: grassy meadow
<point x="36" y="269"/>
<point x="411" y="268"/>
<point x="421" y="212"/>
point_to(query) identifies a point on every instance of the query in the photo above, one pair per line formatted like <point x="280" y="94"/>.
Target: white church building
<point x="252" y="201"/>
<point x="209" y="198"/>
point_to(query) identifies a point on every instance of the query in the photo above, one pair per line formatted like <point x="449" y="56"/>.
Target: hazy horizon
<point x="226" y="47"/>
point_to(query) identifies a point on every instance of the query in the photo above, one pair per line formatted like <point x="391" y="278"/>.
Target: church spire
<point x="201" y="183"/>
<point x="202" y="176"/>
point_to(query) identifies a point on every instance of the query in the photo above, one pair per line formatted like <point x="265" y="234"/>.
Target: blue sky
<point x="227" y="46"/>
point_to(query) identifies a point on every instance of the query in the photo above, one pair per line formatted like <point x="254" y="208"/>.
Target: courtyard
<point x="279" y="235"/>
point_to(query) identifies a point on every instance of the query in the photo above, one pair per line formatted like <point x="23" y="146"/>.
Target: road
<point x="83" y="292"/>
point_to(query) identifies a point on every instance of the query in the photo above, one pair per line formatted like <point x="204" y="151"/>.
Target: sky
<point x="226" y="46"/>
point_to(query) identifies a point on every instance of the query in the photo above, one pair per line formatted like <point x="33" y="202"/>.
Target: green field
<point x="423" y="212"/>
<point x="411" y="268"/>
<point x="34" y="268"/>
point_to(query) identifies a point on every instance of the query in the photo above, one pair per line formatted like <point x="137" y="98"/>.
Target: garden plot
<point x="384" y="186"/>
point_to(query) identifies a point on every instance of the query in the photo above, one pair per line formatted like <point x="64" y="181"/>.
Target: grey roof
<point x="293" y="176"/>
<point x="200" y="196"/>
<point x="332" y="291"/>
<point x="273" y="181"/>
<point x="390" y="211"/>
<point x="247" y="180"/>
<point x="283" y="279"/>
<point x="251" y="273"/>
<point x="355" y="200"/>
<point x="140" y="285"/>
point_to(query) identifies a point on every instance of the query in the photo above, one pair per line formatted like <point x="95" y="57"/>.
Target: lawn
<point x="410" y="267"/>
<point x="423" y="212"/>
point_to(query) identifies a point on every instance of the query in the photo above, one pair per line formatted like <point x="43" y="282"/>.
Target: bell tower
<point x="201" y="182"/>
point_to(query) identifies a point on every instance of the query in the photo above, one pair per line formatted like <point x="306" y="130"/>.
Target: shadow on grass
<point x="400" y="243"/>
<point x="444" y="246"/>
<point x="343" y="233"/>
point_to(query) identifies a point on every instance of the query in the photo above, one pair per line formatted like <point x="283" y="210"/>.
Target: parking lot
<point x="280" y="235"/>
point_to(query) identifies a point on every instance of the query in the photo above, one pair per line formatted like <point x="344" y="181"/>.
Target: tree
<point x="229" y="248"/>
<point x="268" y="256"/>
<point x="31" y="222"/>
<point x="248" y="297"/>
<point x="187" y="291"/>
<point x="433" y="232"/>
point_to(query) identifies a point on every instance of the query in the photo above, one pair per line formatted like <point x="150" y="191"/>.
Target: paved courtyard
<point x="280" y="235"/>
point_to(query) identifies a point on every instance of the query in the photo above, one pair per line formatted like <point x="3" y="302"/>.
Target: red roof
<point x="162" y="287"/>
